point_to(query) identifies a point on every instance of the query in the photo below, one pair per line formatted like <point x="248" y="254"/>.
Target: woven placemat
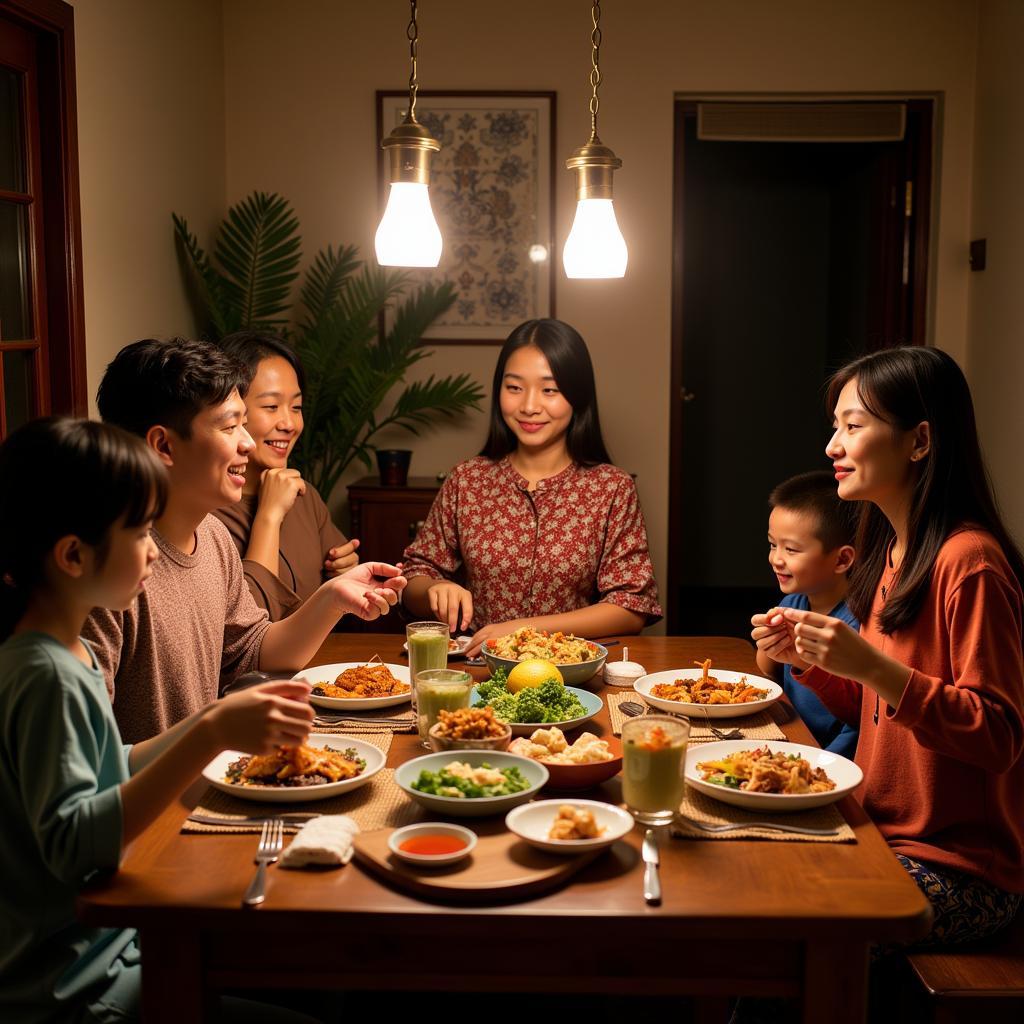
<point x="368" y="725"/>
<point x="700" y="807"/>
<point x="378" y="804"/>
<point x="760" y="726"/>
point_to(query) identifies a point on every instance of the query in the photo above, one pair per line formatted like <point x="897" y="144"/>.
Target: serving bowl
<point x="584" y="776"/>
<point x="532" y="822"/>
<point x="470" y="807"/>
<point x="646" y="683"/>
<point x="214" y="773"/>
<point x="591" y="702"/>
<point x="572" y="674"/>
<point x="439" y="742"/>
<point x="431" y="828"/>
<point x="844" y="773"/>
<point x="319" y="675"/>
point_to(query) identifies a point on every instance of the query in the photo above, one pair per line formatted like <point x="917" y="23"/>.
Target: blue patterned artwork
<point x="491" y="191"/>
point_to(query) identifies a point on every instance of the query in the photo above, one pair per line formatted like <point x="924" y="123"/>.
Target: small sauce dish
<point x="430" y="843"/>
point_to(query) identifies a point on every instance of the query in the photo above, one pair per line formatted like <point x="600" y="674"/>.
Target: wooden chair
<point x="980" y="982"/>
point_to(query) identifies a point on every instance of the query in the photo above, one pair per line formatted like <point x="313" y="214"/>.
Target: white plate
<point x="319" y="674"/>
<point x="214" y="773"/>
<point x="697" y="711"/>
<point x="470" y="807"/>
<point x="844" y="773"/>
<point x="592" y="704"/>
<point x="458" y="651"/>
<point x="532" y="822"/>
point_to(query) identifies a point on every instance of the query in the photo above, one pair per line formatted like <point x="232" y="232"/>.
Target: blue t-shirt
<point x="830" y="733"/>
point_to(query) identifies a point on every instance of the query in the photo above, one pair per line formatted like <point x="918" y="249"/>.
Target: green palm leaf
<point x="207" y="285"/>
<point x="325" y="280"/>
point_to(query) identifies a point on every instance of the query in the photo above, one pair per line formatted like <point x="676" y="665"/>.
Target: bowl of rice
<point x="577" y="660"/>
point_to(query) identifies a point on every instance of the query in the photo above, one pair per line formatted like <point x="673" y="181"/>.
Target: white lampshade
<point x="595" y="246"/>
<point x="408" y="235"/>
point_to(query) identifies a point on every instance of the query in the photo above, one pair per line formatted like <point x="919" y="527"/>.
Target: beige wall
<point x="151" y="140"/>
<point x="300" y="120"/>
<point x="996" y="355"/>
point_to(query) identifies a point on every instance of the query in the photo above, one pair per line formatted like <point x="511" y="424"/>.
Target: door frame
<point x="926" y="108"/>
<point x="52" y="22"/>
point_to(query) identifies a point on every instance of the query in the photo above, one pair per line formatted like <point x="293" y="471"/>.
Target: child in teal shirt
<point x="77" y="500"/>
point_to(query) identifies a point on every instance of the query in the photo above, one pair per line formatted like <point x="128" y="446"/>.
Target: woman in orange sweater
<point x="935" y="678"/>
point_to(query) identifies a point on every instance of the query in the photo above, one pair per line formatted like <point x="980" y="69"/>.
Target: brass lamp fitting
<point x="594" y="164"/>
<point x="409" y="147"/>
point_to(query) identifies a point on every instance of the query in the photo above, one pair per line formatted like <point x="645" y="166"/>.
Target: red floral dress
<point x="576" y="540"/>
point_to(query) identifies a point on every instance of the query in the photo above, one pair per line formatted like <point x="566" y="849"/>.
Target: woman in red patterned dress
<point x="540" y="529"/>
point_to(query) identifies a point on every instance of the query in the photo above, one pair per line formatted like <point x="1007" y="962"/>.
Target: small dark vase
<point x="393" y="464"/>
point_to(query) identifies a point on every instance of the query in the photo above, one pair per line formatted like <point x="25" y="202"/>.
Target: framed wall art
<point x="492" y="191"/>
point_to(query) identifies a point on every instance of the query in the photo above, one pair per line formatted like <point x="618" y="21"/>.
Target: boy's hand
<point x="452" y="604"/>
<point x="774" y="637"/>
<point x="262" y="717"/>
<point x="278" y="490"/>
<point x="369" y="590"/>
<point x="342" y="558"/>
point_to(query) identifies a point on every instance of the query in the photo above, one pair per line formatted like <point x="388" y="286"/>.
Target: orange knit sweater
<point x="943" y="771"/>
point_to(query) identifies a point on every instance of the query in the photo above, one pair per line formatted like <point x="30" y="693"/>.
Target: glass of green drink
<point x="428" y="648"/>
<point x="653" y="756"/>
<point x="439" y="689"/>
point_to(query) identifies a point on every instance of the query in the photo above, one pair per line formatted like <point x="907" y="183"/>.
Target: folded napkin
<point x="324" y="840"/>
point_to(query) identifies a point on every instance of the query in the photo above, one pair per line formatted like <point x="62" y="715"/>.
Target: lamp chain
<point x="413" y="35"/>
<point x="595" y="70"/>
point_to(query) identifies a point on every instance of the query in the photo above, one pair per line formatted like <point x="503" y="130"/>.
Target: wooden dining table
<point x="738" y="917"/>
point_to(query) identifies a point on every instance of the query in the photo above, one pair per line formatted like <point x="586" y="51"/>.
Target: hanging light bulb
<point x="595" y="246"/>
<point x="408" y="235"/>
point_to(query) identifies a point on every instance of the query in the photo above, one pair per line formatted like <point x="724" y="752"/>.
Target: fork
<point x="631" y="709"/>
<point x="767" y="826"/>
<point x="370" y="720"/>
<point x="271" y="841"/>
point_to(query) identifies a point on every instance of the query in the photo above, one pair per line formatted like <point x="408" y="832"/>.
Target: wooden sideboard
<point x="385" y="519"/>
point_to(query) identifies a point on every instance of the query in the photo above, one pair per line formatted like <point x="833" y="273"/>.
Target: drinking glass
<point x="428" y="648"/>
<point x="439" y="689"/>
<point x="653" y="761"/>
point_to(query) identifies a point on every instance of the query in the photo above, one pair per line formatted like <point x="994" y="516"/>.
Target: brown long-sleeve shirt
<point x="307" y="534"/>
<point x="190" y="632"/>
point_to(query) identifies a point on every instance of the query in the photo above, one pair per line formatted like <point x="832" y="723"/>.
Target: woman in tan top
<point x="281" y="527"/>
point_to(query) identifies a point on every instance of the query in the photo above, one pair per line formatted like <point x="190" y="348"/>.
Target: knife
<point x="652" y="881"/>
<point x="290" y="817"/>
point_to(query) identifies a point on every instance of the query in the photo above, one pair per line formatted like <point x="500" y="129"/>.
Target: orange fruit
<point x="532" y="672"/>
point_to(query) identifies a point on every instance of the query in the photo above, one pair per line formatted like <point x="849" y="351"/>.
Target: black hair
<point x="61" y="477"/>
<point x="904" y="387"/>
<point x="250" y="348"/>
<point x="814" y="494"/>
<point x="167" y="383"/>
<point x="567" y="355"/>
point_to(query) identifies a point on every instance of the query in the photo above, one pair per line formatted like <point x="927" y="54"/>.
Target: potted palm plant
<point x="352" y="360"/>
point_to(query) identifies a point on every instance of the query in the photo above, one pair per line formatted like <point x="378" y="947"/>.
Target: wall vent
<point x="801" y="122"/>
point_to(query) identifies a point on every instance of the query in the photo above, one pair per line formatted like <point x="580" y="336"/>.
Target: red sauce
<point x="433" y="845"/>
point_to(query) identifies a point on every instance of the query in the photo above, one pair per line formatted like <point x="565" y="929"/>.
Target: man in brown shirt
<point x="196" y="627"/>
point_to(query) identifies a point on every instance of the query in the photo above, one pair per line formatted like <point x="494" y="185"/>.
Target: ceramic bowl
<point x="431" y="828"/>
<point x="584" y="776"/>
<point x="532" y="822"/>
<point x="488" y="743"/>
<point x="572" y="675"/>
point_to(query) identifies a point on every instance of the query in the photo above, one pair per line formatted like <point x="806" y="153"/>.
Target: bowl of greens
<point x="471" y="783"/>
<point x="551" y="703"/>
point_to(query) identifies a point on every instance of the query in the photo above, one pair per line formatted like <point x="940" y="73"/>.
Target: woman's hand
<point x="262" y="717"/>
<point x="452" y="604"/>
<point x="369" y="590"/>
<point x="495" y="629"/>
<point x="832" y="644"/>
<point x="278" y="490"/>
<point x="774" y="637"/>
<point x="340" y="559"/>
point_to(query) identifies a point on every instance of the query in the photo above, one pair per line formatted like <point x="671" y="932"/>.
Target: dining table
<point x="742" y="917"/>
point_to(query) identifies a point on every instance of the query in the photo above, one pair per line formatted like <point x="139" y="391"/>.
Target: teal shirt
<point x="60" y="814"/>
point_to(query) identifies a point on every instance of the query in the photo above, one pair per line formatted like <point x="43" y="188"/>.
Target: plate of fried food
<point x="357" y="685"/>
<point x="323" y="766"/>
<point x="701" y="693"/>
<point x="776" y="776"/>
<point x="561" y="826"/>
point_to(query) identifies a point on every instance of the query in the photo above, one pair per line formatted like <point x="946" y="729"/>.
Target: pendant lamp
<point x="595" y="246"/>
<point x="408" y="235"/>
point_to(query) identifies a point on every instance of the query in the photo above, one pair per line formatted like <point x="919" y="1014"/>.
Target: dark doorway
<point x="791" y="257"/>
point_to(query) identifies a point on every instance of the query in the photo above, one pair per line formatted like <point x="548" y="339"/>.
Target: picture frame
<point x="492" y="189"/>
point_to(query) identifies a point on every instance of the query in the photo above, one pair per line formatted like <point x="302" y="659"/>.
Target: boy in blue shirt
<point x="810" y="549"/>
